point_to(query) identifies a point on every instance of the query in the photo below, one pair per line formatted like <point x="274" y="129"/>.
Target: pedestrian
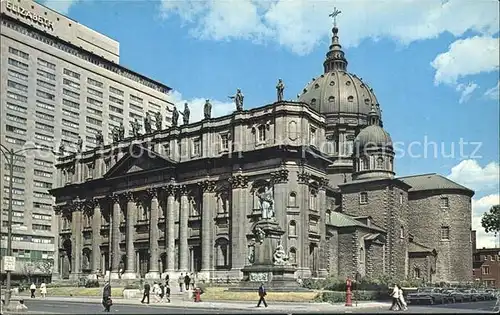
<point x="106" y="297"/>
<point x="43" y="290"/>
<point x="33" y="290"/>
<point x="167" y="293"/>
<point x="395" y="299"/>
<point x="162" y="293"/>
<point x="402" y="298"/>
<point x="156" y="292"/>
<point x="187" y="280"/>
<point x="145" y="295"/>
<point x="167" y="279"/>
<point x="180" y="280"/>
<point x="262" y="295"/>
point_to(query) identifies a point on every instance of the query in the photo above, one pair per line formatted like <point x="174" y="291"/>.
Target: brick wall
<point x="347" y="258"/>
<point x="454" y="258"/>
<point x="487" y="266"/>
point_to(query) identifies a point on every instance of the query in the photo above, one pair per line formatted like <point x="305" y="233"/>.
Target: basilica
<point x="321" y="167"/>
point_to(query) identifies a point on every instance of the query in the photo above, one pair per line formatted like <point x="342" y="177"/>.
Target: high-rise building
<point x="59" y="81"/>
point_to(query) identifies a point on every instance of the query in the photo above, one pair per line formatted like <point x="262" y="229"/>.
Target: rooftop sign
<point x="28" y="15"/>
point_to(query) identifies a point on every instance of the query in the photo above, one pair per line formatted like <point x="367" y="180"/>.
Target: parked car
<point x="455" y="296"/>
<point x="487" y="295"/>
<point x="427" y="296"/>
<point x="472" y="294"/>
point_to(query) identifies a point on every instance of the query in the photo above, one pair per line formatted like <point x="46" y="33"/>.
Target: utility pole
<point x="10" y="156"/>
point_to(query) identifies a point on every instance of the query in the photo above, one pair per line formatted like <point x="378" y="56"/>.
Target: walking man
<point x="262" y="295"/>
<point x="147" y="289"/>
<point x="106" y="297"/>
<point x="187" y="281"/>
<point x="33" y="290"/>
<point x="395" y="299"/>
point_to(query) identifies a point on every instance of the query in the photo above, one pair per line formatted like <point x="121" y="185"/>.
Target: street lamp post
<point x="10" y="155"/>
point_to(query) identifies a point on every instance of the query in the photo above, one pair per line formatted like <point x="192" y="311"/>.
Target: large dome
<point x="373" y="136"/>
<point x="337" y="91"/>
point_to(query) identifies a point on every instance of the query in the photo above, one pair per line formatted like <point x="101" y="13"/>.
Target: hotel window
<point x="17" y="86"/>
<point x="45" y="105"/>
<point x="71" y="73"/>
<point x="42" y="195"/>
<point x="116" y="91"/>
<point x="45" y="127"/>
<point x="17" y="180"/>
<point x="71" y="93"/>
<point x="261" y="133"/>
<point x="46" y="85"/>
<point x="20" y="158"/>
<point x="91" y="130"/>
<point x="19" y="53"/>
<point x="42" y="173"/>
<point x="135" y="98"/>
<point x="156" y="106"/>
<point x="93" y="111"/>
<point x="94" y="92"/>
<point x="115" y="118"/>
<point x="17" y="168"/>
<point x="17" y="97"/>
<point x="135" y="107"/>
<point x="17" y="108"/>
<point x="15" y="191"/>
<point x="17" y="75"/>
<point x="18" y="64"/>
<point x="116" y="100"/>
<point x="312" y="136"/>
<point x="93" y="121"/>
<point x="196" y="147"/>
<point x="70" y="113"/>
<point x="445" y="233"/>
<point x="224" y="141"/>
<point x="486" y="270"/>
<point x="44" y="116"/>
<point x="134" y="115"/>
<point x="45" y="95"/>
<point x="17" y="119"/>
<point x="363" y="198"/>
<point x="115" y="109"/>
<point x="41" y="227"/>
<point x="90" y="139"/>
<point x="44" y="137"/>
<point x="40" y="184"/>
<point x="46" y="74"/>
<point x="94" y="82"/>
<point x="70" y="134"/>
<point x="445" y="202"/>
<point x="15" y="141"/>
<point x="13" y="129"/>
<point x="70" y="83"/>
<point x="71" y="104"/>
<point x="46" y="64"/>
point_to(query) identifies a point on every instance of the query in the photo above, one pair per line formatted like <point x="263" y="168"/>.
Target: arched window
<point x="416" y="273"/>
<point x="361" y="255"/>
<point x="380" y="163"/>
<point x="292" y="228"/>
<point x="313" y="197"/>
<point x="292" y="256"/>
<point x="261" y="133"/>
<point x="221" y="253"/>
<point x="402" y="232"/>
<point x="292" y="199"/>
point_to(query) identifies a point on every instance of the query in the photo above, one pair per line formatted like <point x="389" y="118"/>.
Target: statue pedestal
<point x="276" y="277"/>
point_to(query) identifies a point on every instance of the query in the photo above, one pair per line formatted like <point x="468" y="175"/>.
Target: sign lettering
<point x="26" y="14"/>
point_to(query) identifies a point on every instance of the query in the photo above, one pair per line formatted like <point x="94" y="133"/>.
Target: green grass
<point x="219" y="294"/>
<point x="77" y="292"/>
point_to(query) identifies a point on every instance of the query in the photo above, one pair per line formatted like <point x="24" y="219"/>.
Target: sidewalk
<point x="235" y="305"/>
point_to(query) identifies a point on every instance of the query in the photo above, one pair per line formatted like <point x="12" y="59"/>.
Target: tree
<point x="29" y="270"/>
<point x="46" y="266"/>
<point x="491" y="220"/>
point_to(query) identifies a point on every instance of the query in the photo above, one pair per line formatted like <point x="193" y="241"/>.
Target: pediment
<point x="139" y="160"/>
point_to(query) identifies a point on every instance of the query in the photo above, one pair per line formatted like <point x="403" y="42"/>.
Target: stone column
<point x="130" y="233"/>
<point x="322" y="263"/>
<point x="280" y="180"/>
<point x="207" y="215"/>
<point x="76" y="241"/>
<point x="115" y="238"/>
<point x="303" y="269"/>
<point x="56" y="274"/>
<point x="238" y="224"/>
<point x="154" y="271"/>
<point x="183" y="230"/>
<point x="170" y="228"/>
<point x="96" y="237"/>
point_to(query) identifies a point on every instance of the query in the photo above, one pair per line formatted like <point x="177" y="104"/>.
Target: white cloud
<point x="301" y="25"/>
<point x="493" y="93"/>
<point x="479" y="207"/>
<point x="470" y="174"/>
<point x="196" y="107"/>
<point x="466" y="57"/>
<point x="61" y="6"/>
<point x="466" y="91"/>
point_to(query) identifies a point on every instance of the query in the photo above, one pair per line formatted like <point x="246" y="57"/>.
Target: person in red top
<point x="262" y="295"/>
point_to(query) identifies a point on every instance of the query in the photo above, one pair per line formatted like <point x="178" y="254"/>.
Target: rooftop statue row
<point x="118" y="133"/>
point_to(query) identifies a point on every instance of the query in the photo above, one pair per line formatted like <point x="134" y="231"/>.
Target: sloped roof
<point x="418" y="248"/>
<point x="342" y="220"/>
<point x="432" y="181"/>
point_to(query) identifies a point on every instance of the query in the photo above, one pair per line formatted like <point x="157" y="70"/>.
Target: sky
<point x="433" y="65"/>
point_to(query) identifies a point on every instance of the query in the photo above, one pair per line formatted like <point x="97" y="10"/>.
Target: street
<point x="40" y="306"/>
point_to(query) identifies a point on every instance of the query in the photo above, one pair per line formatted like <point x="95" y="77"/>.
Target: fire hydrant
<point x="348" y="298"/>
<point x="197" y="295"/>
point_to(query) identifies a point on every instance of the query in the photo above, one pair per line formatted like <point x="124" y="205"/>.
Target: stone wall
<point x="374" y="261"/>
<point x="347" y="258"/>
<point x="454" y="258"/>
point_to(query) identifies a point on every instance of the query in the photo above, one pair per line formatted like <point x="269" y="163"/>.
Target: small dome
<point x="338" y="91"/>
<point x="373" y="136"/>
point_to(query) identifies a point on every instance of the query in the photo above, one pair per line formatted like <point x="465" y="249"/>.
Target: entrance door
<point x="143" y="262"/>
